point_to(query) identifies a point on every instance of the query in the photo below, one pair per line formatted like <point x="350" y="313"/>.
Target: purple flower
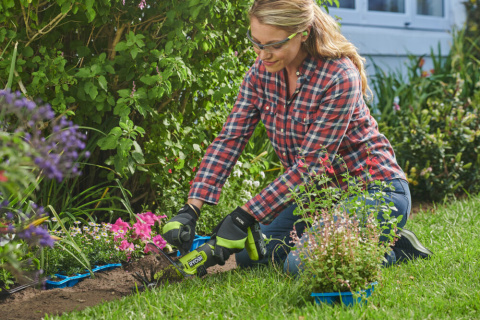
<point x="56" y="154"/>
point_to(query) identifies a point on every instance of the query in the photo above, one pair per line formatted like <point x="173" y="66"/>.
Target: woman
<point x="307" y="86"/>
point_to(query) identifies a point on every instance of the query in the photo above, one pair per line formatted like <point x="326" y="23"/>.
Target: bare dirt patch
<point x="34" y="303"/>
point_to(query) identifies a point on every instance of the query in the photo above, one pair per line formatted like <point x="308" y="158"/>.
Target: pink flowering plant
<point x="341" y="249"/>
<point x="133" y="238"/>
<point x="103" y="243"/>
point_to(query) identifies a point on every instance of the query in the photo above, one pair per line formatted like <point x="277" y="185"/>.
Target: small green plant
<point x="341" y="250"/>
<point x="98" y="245"/>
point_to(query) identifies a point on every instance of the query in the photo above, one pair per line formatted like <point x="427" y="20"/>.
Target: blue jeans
<point x="278" y="249"/>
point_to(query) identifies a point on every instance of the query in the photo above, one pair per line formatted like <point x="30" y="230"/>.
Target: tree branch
<point x="49" y="27"/>
<point x="116" y="40"/>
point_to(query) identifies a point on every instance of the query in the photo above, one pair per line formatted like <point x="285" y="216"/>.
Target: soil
<point x="34" y="303"/>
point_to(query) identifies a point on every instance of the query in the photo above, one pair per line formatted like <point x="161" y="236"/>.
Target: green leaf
<point x="121" y="46"/>
<point x="103" y="83"/>
<point x="27" y="52"/>
<point x="83" y="73"/>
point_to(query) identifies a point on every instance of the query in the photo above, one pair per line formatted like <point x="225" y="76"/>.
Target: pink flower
<point x="141" y="231"/>
<point x="133" y="90"/>
<point x="125" y="245"/>
<point x="236" y="53"/>
<point x="372" y="161"/>
<point x="169" y="170"/>
<point x="120" y="225"/>
<point x="370" y="170"/>
<point x="2" y="177"/>
<point x="396" y="107"/>
<point x="159" y="241"/>
<point x="149" y="218"/>
<point x="301" y="163"/>
<point x="324" y="159"/>
<point x="330" y="170"/>
<point x="190" y="182"/>
<point x="194" y="169"/>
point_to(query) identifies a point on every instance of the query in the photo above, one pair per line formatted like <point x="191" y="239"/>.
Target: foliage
<point x="341" y="250"/>
<point x="125" y="68"/>
<point x="432" y="119"/>
<point x="473" y="20"/>
<point x="246" y="180"/>
<point x="97" y="242"/>
<point x="27" y="154"/>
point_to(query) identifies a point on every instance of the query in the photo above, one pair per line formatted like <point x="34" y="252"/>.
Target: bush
<point x="432" y="120"/>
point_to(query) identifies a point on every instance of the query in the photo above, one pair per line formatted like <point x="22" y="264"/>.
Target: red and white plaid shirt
<point x="325" y="116"/>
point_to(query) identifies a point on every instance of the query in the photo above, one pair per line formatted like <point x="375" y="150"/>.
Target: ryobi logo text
<point x="195" y="261"/>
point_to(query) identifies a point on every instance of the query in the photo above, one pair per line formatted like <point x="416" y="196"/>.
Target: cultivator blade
<point x="160" y="255"/>
<point x="166" y="269"/>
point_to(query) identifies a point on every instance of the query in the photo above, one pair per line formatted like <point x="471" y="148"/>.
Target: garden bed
<point x="34" y="303"/>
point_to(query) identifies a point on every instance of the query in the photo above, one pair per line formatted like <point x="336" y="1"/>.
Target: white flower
<point x="248" y="194"/>
<point x="256" y="184"/>
<point x="262" y="174"/>
<point x="248" y="183"/>
<point x="237" y="173"/>
<point x="239" y="164"/>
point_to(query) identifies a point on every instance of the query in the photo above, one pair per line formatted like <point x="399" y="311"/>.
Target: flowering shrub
<point x="341" y="250"/>
<point x="33" y="145"/>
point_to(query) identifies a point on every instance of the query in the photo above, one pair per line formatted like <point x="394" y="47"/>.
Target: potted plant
<point x="340" y="252"/>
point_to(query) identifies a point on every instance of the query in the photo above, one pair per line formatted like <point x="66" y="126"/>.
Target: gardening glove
<point x="230" y="234"/>
<point x="180" y="230"/>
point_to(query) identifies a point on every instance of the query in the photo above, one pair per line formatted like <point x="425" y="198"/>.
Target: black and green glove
<point x="180" y="230"/>
<point x="230" y="234"/>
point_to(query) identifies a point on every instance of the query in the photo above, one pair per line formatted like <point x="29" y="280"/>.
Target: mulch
<point x="34" y="303"/>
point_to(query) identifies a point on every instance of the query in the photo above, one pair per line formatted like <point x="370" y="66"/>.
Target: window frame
<point x="409" y="20"/>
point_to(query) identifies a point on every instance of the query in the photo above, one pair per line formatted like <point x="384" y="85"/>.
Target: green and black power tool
<point x="197" y="261"/>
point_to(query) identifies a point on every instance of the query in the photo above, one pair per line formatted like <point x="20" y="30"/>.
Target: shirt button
<point x="267" y="108"/>
<point x="296" y="91"/>
<point x="298" y="73"/>
<point x="281" y="130"/>
<point x="284" y="154"/>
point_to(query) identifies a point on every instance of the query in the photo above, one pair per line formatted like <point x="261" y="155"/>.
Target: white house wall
<point x="388" y="38"/>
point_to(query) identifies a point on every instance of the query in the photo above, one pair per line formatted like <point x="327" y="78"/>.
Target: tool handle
<point x="255" y="244"/>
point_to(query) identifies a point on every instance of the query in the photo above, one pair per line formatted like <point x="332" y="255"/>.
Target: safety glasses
<point x="271" y="47"/>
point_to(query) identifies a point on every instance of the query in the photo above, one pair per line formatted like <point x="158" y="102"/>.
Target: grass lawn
<point x="444" y="287"/>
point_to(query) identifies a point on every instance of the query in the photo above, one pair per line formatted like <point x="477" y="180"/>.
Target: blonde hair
<point x="325" y="39"/>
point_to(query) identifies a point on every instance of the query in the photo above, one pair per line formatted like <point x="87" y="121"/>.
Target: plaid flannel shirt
<point x="325" y="116"/>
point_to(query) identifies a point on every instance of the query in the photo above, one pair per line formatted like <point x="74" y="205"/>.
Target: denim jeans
<point x="278" y="249"/>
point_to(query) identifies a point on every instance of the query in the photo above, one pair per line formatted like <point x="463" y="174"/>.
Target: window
<point x="430" y="8"/>
<point x="418" y="14"/>
<point x="387" y="5"/>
